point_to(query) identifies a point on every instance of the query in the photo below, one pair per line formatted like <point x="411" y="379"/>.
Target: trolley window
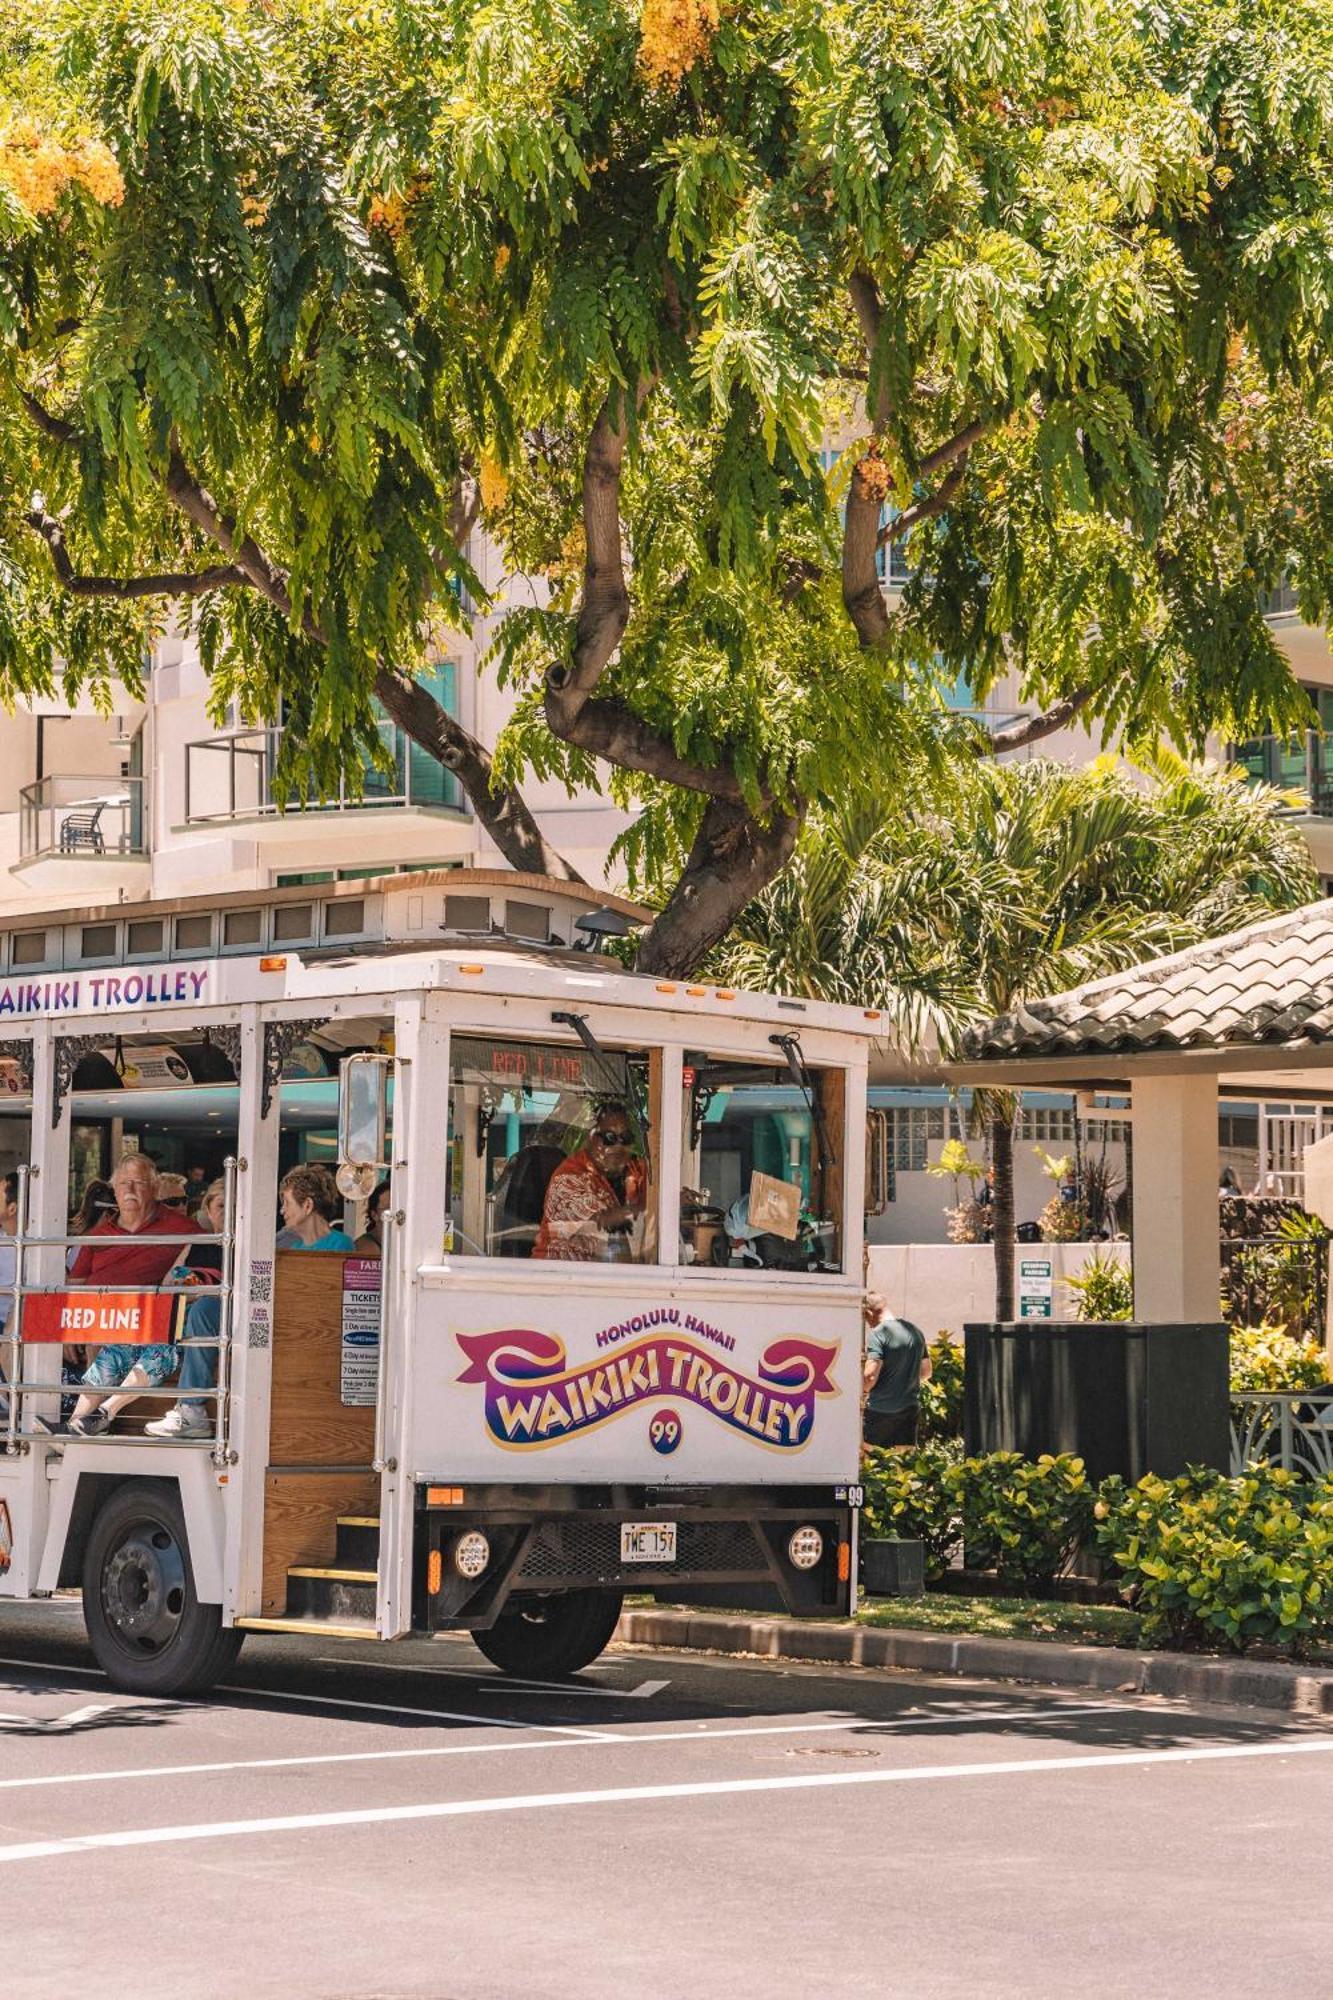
<point x="551" y="1153"/>
<point x="761" y="1167"/>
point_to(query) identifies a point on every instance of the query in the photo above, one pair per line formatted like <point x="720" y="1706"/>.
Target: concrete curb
<point x="1271" y="1684"/>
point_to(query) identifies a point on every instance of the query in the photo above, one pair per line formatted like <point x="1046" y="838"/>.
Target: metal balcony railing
<point x="231" y="777"/>
<point x="1301" y="763"/>
<point x="82" y="818"/>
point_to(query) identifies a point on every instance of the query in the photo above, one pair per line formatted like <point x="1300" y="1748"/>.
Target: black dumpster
<point x="1126" y="1398"/>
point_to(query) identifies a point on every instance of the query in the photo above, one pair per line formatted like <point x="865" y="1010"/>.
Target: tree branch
<point x="607" y="727"/>
<point x="1032" y="728"/>
<point x="923" y="510"/>
<point x="52" y="426"/>
<point x="170" y="583"/>
<point x="861" y="593"/>
<point x="604" y="607"/>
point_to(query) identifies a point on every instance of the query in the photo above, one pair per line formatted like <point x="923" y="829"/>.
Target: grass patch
<point x="1007" y="1618"/>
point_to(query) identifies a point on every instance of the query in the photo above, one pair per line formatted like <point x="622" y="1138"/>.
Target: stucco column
<point x="1177" y="1274"/>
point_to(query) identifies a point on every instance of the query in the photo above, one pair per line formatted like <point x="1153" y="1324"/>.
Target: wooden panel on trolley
<point x="308" y="1422"/>
<point x="301" y="1512"/>
<point x="320" y="1449"/>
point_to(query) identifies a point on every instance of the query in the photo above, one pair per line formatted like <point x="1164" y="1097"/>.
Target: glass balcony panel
<point x="79" y="817"/>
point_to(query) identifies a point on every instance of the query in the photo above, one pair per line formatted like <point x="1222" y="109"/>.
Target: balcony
<point x="83" y="834"/>
<point x="230" y="778"/>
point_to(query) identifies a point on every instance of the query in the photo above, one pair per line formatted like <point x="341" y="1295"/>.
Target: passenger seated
<point x="120" y="1252"/>
<point x="311" y="1206"/>
<point x="595" y="1197"/>
<point x="192" y="1416"/>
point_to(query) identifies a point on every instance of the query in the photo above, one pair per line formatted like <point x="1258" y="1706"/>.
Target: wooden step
<point x="362" y="1630"/>
<point x="336" y="1575"/>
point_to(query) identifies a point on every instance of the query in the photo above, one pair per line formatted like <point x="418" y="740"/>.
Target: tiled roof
<point x="1270" y="983"/>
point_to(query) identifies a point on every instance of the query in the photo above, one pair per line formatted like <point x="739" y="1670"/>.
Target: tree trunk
<point x="1002" y="1209"/>
<point x="732" y="859"/>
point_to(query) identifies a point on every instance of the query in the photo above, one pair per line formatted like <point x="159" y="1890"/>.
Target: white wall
<point x="943" y="1285"/>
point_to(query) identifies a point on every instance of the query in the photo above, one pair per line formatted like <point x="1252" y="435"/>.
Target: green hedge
<point x="1208" y="1561"/>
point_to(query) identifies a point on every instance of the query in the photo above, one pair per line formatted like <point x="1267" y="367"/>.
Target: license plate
<point x="647" y="1541"/>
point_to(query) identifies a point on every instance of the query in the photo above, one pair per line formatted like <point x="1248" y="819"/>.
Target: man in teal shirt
<point x="896" y="1365"/>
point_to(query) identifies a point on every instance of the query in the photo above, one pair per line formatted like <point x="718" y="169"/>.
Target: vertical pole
<point x="226" y="1314"/>
<point x="1177" y="1268"/>
<point x="249" y="1356"/>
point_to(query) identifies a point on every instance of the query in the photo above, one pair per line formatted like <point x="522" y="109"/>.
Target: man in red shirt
<point x="120" y="1253"/>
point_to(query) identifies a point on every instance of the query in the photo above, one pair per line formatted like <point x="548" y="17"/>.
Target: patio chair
<point x="81" y="832"/>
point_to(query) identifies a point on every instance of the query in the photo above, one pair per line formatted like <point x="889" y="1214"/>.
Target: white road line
<point x="512" y="1683"/>
<point x="904" y="1723"/>
<point x="422" y="1714"/>
<point x="244" y="1829"/>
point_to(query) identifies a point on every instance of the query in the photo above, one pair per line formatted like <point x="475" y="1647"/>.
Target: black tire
<point x="148" y="1630"/>
<point x="551" y="1637"/>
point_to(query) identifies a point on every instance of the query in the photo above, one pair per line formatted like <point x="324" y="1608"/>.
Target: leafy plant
<point x="1024" y="1518"/>
<point x="1207" y="1559"/>
<point x="913" y="1496"/>
<point x="955" y="1163"/>
<point x="1103" y="1289"/>
<point x="942" y="1395"/>
<point x="1266" y="1358"/>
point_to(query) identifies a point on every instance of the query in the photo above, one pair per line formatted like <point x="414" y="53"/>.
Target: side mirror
<point x="363" y="1111"/>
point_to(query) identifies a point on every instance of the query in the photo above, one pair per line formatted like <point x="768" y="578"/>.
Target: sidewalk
<point x="1269" y="1684"/>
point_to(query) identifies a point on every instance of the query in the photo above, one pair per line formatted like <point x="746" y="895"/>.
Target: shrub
<point x="912" y="1495"/>
<point x="1024" y="1518"/>
<point x="1264" y="1358"/>
<point x="1103" y="1290"/>
<point x="1209" y="1560"/>
<point x="942" y="1396"/>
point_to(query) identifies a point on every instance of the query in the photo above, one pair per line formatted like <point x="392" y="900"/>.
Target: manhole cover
<point x="828" y="1750"/>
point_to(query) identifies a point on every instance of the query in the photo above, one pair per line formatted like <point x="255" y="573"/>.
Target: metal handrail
<point x="17" y="1386"/>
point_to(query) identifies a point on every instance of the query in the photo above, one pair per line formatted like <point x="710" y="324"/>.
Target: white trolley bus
<point x="523" y="1400"/>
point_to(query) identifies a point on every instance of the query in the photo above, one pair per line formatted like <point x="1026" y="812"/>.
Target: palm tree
<point x="1014" y="882"/>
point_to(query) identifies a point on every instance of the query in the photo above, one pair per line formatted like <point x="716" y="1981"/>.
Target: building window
<point x="912" y="1130"/>
<point x="469" y="914"/>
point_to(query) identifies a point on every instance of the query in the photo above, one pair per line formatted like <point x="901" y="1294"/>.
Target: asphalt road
<point x="347" y="1821"/>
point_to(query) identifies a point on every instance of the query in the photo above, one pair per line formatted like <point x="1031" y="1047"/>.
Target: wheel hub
<point x="143" y="1588"/>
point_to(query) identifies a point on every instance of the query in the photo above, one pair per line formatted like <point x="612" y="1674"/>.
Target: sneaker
<point x="180" y="1423"/>
<point x="94" y="1425"/>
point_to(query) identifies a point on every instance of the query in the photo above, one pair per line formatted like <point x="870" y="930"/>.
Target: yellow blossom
<point x="389" y="213"/>
<point x="673" y="36"/>
<point x="37" y="168"/>
<point x="493" y="482"/>
<point x="502" y="255"/>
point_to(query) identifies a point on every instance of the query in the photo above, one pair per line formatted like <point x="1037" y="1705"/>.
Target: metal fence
<point x="1276" y="1280"/>
<point x="1293" y="1429"/>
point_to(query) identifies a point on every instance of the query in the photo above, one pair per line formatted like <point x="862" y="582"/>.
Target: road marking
<point x="513" y="1683"/>
<point x="53" y="1725"/>
<point x="244" y="1829"/>
<point x="570" y="1742"/>
<point x="423" y="1714"/>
